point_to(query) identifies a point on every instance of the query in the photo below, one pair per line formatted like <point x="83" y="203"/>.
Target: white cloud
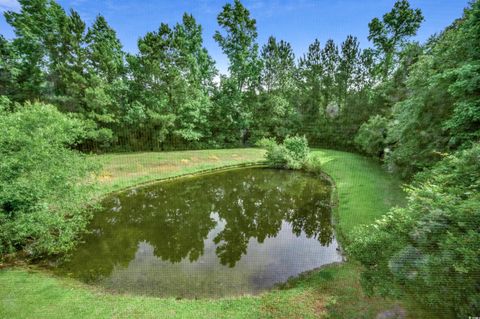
<point x="9" y="5"/>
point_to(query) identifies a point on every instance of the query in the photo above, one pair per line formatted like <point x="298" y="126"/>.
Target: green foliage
<point x="8" y="68"/>
<point x="228" y="118"/>
<point x="5" y="104"/>
<point x="278" y="66"/>
<point x="371" y="137"/>
<point x="238" y="42"/>
<point x="169" y="85"/>
<point x="164" y="97"/>
<point x="431" y="247"/>
<point x="334" y="89"/>
<point x="392" y="31"/>
<point x="44" y="186"/>
<point x="313" y="164"/>
<point x="274" y="117"/>
<point x="292" y="154"/>
<point x="276" y="154"/>
<point x="35" y="48"/>
<point x="274" y="113"/>
<point x="104" y="50"/>
<point x="235" y="98"/>
<point x="439" y="112"/>
<point x="464" y="125"/>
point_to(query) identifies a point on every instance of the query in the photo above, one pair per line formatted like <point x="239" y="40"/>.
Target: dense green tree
<point x="171" y="78"/>
<point x="310" y="79"/>
<point x="355" y="82"/>
<point x="193" y="56"/>
<point x="50" y="61"/>
<point x="348" y="68"/>
<point x="278" y="66"/>
<point x="8" y="67"/>
<point x="37" y="27"/>
<point x="366" y="77"/>
<point x="464" y="125"/>
<point x="371" y="137"/>
<point x="84" y="90"/>
<point x="199" y="70"/>
<point x="394" y="89"/>
<point x="104" y="94"/>
<point x="274" y="114"/>
<point x="430" y="248"/>
<point x="228" y="119"/>
<point x="44" y="185"/>
<point x="317" y="86"/>
<point x="152" y="80"/>
<point x="333" y="92"/>
<point x="104" y="51"/>
<point x="390" y="33"/>
<point x="238" y="42"/>
<point x="439" y="108"/>
<point x="72" y="67"/>
<point x="330" y="62"/>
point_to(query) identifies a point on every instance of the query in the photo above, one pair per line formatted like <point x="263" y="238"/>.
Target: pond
<point x="230" y="233"/>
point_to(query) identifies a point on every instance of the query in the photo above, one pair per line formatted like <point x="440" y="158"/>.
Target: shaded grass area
<point x="339" y="288"/>
<point x="365" y="192"/>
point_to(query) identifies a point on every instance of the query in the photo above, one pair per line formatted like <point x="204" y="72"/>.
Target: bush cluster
<point x="431" y="247"/>
<point x="44" y="184"/>
<point x="372" y="135"/>
<point x="291" y="154"/>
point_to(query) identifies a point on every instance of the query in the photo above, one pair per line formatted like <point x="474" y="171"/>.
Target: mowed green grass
<point x="129" y="169"/>
<point x="365" y="192"/>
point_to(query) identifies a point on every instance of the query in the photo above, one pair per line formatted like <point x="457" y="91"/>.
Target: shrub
<point x="313" y="164"/>
<point x="430" y="248"/>
<point x="43" y="184"/>
<point x="6" y="105"/>
<point x="371" y="136"/>
<point x="292" y="154"/>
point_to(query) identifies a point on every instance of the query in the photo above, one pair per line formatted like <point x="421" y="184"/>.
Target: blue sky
<point x="296" y="21"/>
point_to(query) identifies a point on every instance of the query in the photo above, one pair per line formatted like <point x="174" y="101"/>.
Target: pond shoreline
<point x="188" y="175"/>
<point x="364" y="192"/>
<point x="270" y="225"/>
<point x="45" y="265"/>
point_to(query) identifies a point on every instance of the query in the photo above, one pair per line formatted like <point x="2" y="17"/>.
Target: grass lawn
<point x="124" y="170"/>
<point x="365" y="192"/>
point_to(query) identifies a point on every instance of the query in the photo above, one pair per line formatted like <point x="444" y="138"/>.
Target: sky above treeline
<point x="296" y="21"/>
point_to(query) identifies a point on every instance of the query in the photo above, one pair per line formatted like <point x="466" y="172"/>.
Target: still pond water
<point x="229" y="233"/>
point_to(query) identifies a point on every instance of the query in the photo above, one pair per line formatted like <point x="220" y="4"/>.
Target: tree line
<point x="170" y="95"/>
<point x="430" y="248"/>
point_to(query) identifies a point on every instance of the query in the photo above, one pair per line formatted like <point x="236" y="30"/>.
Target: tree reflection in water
<point x="225" y="210"/>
